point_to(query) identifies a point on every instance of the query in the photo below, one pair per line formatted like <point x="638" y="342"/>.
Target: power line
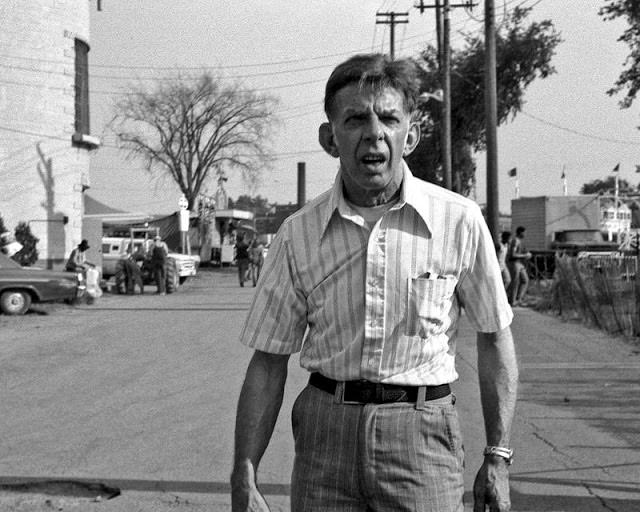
<point x="581" y="134"/>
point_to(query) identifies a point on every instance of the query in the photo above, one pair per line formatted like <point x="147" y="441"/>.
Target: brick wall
<point x="43" y="175"/>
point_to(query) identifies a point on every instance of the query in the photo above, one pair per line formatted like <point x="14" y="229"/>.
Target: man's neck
<point x="369" y="199"/>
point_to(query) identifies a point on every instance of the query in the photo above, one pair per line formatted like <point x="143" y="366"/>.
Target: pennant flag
<point x="563" y="175"/>
<point x="617" y="167"/>
<point x="513" y="172"/>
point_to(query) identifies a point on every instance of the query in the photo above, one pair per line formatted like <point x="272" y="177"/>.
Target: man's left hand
<point x="491" y="487"/>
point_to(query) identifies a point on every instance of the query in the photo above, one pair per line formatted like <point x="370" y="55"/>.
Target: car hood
<point x="35" y="273"/>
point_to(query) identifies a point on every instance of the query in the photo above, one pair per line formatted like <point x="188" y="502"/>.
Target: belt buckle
<point x="339" y="395"/>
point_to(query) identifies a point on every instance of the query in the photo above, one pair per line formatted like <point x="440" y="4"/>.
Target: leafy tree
<point x="3" y="228"/>
<point x="188" y="127"/>
<point x="629" y="79"/>
<point x="606" y="186"/>
<point x="28" y="255"/>
<point x="258" y="204"/>
<point x="523" y="53"/>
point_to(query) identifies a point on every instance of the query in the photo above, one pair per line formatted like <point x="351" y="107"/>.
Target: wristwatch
<point x="500" y="451"/>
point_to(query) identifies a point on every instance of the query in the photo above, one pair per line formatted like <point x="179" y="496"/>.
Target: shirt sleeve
<point x="277" y="318"/>
<point x="481" y="288"/>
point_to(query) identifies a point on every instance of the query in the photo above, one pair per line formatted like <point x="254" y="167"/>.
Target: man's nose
<point x="373" y="129"/>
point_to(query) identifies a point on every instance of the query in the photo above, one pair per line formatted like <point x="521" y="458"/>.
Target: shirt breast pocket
<point x="429" y="303"/>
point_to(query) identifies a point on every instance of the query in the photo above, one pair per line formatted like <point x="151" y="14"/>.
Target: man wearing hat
<point x="77" y="259"/>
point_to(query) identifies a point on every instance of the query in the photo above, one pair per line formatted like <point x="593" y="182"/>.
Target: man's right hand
<point x="248" y="500"/>
<point x="245" y="496"/>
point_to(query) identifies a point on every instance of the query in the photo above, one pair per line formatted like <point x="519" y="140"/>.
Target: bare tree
<point x="190" y="127"/>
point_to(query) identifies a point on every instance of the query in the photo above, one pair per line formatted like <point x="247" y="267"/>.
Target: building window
<point x="82" y="87"/>
<point x="81" y="136"/>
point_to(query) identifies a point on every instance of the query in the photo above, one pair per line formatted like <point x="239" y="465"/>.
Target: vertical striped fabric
<point x="373" y="457"/>
<point x="381" y="305"/>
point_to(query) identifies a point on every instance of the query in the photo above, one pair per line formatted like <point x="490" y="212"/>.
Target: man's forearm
<point x="258" y="407"/>
<point x="498" y="374"/>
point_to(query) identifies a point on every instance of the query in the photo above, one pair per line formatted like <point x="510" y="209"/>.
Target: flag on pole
<point x="565" y="191"/>
<point x="617" y="167"/>
<point x="513" y="172"/>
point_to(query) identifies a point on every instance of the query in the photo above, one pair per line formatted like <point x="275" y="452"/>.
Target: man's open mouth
<point x="373" y="159"/>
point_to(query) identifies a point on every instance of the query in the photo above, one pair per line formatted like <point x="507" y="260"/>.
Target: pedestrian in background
<point x="132" y="274"/>
<point x="256" y="258"/>
<point x="503" y="250"/>
<point x="367" y="282"/>
<point x="517" y="258"/>
<point x="242" y="258"/>
<point x="158" y="264"/>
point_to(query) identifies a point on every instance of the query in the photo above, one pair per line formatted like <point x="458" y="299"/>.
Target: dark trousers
<point x="243" y="266"/>
<point x="160" y="277"/>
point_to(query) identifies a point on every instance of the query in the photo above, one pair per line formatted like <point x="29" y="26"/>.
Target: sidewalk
<point x="576" y="435"/>
<point x="577" y="428"/>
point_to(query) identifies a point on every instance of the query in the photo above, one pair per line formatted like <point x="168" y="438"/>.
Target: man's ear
<point x="413" y="138"/>
<point x="327" y="141"/>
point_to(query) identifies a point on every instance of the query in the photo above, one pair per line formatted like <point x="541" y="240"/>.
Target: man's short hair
<point x="378" y="71"/>
<point x="520" y="230"/>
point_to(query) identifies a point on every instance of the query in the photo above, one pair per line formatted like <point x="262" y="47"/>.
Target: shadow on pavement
<point x="76" y="485"/>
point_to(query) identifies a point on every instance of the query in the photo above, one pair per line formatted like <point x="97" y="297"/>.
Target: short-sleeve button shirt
<point x="380" y="304"/>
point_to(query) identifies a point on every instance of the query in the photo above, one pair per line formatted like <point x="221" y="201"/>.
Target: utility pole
<point x="446" y="96"/>
<point x="491" y="118"/>
<point x="443" y="24"/>
<point x="392" y="19"/>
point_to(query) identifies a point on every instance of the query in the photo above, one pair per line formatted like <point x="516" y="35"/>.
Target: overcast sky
<point x="288" y="48"/>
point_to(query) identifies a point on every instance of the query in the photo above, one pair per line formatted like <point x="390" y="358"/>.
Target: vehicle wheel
<point x="120" y="278"/>
<point x="172" y="277"/>
<point x="15" y="302"/>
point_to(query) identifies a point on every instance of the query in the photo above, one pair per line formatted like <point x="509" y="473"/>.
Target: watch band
<point x="500" y="451"/>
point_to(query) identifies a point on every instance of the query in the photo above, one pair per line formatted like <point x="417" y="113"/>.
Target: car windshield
<point x="6" y="262"/>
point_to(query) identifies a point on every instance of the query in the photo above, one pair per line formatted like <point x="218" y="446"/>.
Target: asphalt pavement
<point x="147" y="409"/>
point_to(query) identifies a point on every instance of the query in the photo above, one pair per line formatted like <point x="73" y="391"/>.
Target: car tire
<point x="173" y="279"/>
<point x="15" y="302"/>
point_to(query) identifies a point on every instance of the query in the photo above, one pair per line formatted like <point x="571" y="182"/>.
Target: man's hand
<point x="491" y="487"/>
<point x="245" y="496"/>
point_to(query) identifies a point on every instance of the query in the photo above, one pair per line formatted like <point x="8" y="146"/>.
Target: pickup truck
<point x="116" y="249"/>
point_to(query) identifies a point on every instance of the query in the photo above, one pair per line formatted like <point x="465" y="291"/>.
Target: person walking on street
<point x="159" y="253"/>
<point x="503" y="249"/>
<point x="256" y="258"/>
<point x="517" y="257"/>
<point x="367" y="282"/>
<point x="242" y="258"/>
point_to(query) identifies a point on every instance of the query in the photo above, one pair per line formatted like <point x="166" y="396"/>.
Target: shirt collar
<point x="409" y="195"/>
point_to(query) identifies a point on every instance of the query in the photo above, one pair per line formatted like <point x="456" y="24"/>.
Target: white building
<point x="616" y="219"/>
<point x="44" y="120"/>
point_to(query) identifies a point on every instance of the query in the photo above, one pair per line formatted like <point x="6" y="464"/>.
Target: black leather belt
<point x="365" y="392"/>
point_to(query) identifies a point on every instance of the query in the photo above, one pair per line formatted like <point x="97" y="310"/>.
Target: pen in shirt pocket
<point x="429" y="275"/>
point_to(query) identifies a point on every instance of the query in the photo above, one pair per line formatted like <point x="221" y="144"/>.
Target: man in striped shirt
<point x="367" y="282"/>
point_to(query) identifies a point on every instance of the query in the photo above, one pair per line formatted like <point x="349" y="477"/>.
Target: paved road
<point x="139" y="393"/>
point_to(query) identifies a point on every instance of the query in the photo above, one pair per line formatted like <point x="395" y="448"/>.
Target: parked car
<point x="22" y="286"/>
